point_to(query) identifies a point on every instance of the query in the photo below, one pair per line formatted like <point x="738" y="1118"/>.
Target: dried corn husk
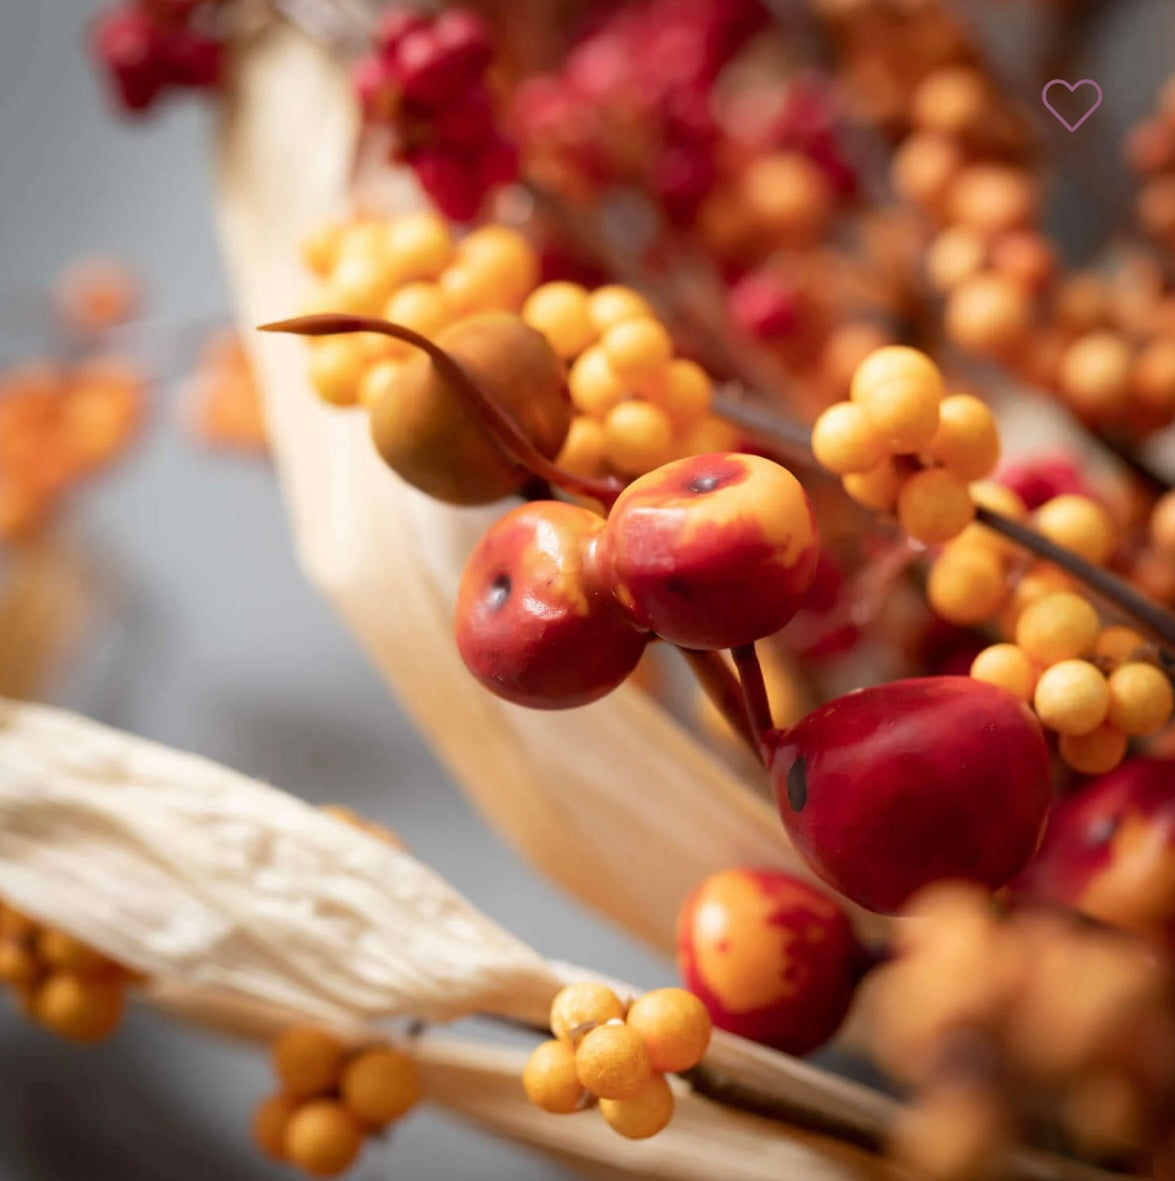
<point x="614" y="802"/>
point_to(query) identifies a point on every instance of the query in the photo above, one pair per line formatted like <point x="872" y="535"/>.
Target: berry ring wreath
<point x="628" y="438"/>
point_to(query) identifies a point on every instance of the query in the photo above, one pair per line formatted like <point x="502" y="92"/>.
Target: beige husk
<point x="614" y="802"/>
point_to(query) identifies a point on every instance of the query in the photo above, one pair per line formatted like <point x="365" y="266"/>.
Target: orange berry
<point x="337" y="364"/>
<point x="993" y="198"/>
<point x="420" y="306"/>
<point x="788" y="196"/>
<point x="417" y="246"/>
<point x="638" y="437"/>
<point x="641" y="1115"/>
<point x="1056" y="627"/>
<point x="378" y="381"/>
<point x="1072" y="697"/>
<point x="685" y="392"/>
<point x="381" y="1085"/>
<point x="1162" y="524"/>
<point x="582" y="453"/>
<point x="957" y="254"/>
<point x="14" y="924"/>
<point x="1117" y="644"/>
<point x="613" y="303"/>
<point x="924" y="167"/>
<point x="1095" y="753"/>
<point x="360" y="285"/>
<point x="59" y="950"/>
<point x="988" y="315"/>
<point x="1095" y="373"/>
<point x="308" y="1061"/>
<point x="270" y="1120"/>
<point x="637" y="349"/>
<point x="967" y="442"/>
<point x="323" y="1138"/>
<point x="1079" y="524"/>
<point x="78" y="1008"/>
<point x="952" y="100"/>
<point x="18" y="965"/>
<point x="876" y="489"/>
<point x="549" y="1078"/>
<point x="560" y="312"/>
<point x="934" y="506"/>
<point x="710" y="435"/>
<point x="585" y="1004"/>
<point x="674" y="1025"/>
<point x="967" y="585"/>
<point x="506" y="257"/>
<point x="612" y="1062"/>
<point x="843" y="440"/>
<point x="320" y="248"/>
<point x="594" y="386"/>
<point x="900" y="390"/>
<point x="1141" y="698"/>
<point x="1006" y="665"/>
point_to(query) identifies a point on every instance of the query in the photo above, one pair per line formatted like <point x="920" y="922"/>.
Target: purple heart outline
<point x="1071" y="87"/>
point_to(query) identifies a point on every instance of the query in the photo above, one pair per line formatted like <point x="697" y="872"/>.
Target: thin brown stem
<point x="724" y="691"/>
<point x="755" y="702"/>
<point x="498" y="424"/>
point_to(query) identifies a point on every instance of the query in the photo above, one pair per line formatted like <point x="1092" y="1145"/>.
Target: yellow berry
<point x="637" y="348"/>
<point x="967" y="442"/>
<point x="1094" y="373"/>
<point x="967" y="585"/>
<point x="379" y="1086"/>
<point x="613" y="303"/>
<point x="18" y="965"/>
<point x="363" y="239"/>
<point x="378" y="381"/>
<point x="580" y="1005"/>
<point x="59" y="950"/>
<point x="1006" y="665"/>
<point x="1056" y="627"/>
<point x="684" y="393"/>
<point x="79" y="1008"/>
<point x="843" y="440"/>
<point x="612" y="1061"/>
<point x="506" y="256"/>
<point x="336" y="366"/>
<point x="1079" y="524"/>
<point x="877" y="488"/>
<point x="418" y="246"/>
<point x="270" y="1120"/>
<point x="1141" y="698"/>
<point x="320" y="248"/>
<point x="900" y="390"/>
<point x="999" y="499"/>
<point x="323" y="1138"/>
<point x="674" y="1025"/>
<point x="644" y="1114"/>
<point x="988" y="314"/>
<point x="360" y="286"/>
<point x="560" y="312"/>
<point x="420" y="306"/>
<point x="308" y="1061"/>
<point x="1072" y="697"/>
<point x="934" y="506"/>
<point x="1117" y="644"/>
<point x="549" y="1078"/>
<point x="710" y="435"/>
<point x="593" y="384"/>
<point x="1095" y="753"/>
<point x="468" y="290"/>
<point x="638" y="437"/>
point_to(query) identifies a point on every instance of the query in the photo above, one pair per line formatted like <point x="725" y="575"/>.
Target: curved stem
<point x="497" y="422"/>
<point x="758" y="708"/>
<point x="725" y="693"/>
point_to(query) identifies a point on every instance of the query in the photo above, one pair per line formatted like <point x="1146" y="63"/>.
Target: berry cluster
<point x="618" y="1055"/>
<point x="331" y="1098"/>
<point x="59" y="427"/>
<point x="900" y="445"/>
<point x="985" y="1018"/>
<point x="638" y="404"/>
<point x="1151" y="153"/>
<point x="773" y="959"/>
<point x="556" y="605"/>
<point x="222" y="400"/>
<point x="429" y="77"/>
<point x="147" y="47"/>
<point x="63" y="985"/>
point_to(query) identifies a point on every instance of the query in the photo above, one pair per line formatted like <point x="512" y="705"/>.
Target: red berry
<point x="763" y="307"/>
<point x="375" y="86"/>
<point x="497" y="165"/>
<point x="888" y="789"/>
<point x="1042" y="478"/>
<point x="469" y="120"/>
<point x="465" y="38"/>
<point x="536" y="622"/>
<point x="448" y="180"/>
<point x="714" y="551"/>
<point x="395" y="24"/>
<point x="773" y="959"/>
<point x="1110" y="851"/>
<point x="191" y="59"/>
<point x="424" y="69"/>
<point x="128" y="45"/>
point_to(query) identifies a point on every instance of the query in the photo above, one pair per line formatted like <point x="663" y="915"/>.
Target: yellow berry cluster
<point x="63" y="985"/>
<point x="617" y="1055"/>
<point x="331" y="1098"/>
<point x="412" y="271"/>
<point x="637" y="404"/>
<point x="901" y="446"/>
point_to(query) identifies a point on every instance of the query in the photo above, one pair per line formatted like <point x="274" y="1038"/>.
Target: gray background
<point x="216" y="644"/>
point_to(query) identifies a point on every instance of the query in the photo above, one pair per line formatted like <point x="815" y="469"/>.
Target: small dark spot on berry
<point x="1101" y="831"/>
<point x="797" y="785"/>
<point x="706" y="482"/>
<point x="499" y="592"/>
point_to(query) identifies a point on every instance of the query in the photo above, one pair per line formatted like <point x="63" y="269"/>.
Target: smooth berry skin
<point x="713" y="551"/>
<point x="464" y="36"/>
<point x="1110" y="851"/>
<point x="192" y="60"/>
<point x="129" y="46"/>
<point x="888" y="789"/>
<point x="772" y="958"/>
<point x="449" y="181"/>
<point x="1042" y="478"/>
<point x="535" y="622"/>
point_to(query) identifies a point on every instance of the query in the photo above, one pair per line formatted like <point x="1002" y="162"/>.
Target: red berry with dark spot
<point x="888" y="789"/>
<point x="536" y="622"/>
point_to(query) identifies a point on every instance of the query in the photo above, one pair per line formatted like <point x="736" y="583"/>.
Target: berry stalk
<point x="726" y="693"/>
<point x="497" y="423"/>
<point x="754" y="693"/>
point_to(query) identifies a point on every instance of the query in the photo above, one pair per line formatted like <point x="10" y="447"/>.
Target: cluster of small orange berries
<point x="638" y="405"/>
<point x="901" y="446"/>
<point x="617" y="1055"/>
<point x="410" y="270"/>
<point x="331" y="1098"/>
<point x="1151" y="152"/>
<point x="58" y="427"/>
<point x="223" y="402"/>
<point x="66" y="987"/>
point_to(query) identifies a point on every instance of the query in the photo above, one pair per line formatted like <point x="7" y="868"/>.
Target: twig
<point x="755" y="702"/>
<point x="724" y="691"/>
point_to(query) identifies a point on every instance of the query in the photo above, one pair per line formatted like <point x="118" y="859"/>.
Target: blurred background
<point x="209" y="638"/>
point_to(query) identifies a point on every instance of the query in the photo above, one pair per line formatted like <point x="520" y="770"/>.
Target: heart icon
<point x="1072" y="88"/>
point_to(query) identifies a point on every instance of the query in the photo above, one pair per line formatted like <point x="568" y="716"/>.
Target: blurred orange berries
<point x="223" y="403"/>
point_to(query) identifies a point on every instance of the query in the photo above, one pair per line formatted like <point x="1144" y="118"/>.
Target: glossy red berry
<point x="128" y="45"/>
<point x="714" y="551"/>
<point x="191" y="59"/>
<point x="888" y="789"/>
<point x="772" y="958"/>
<point x="1110" y="851"/>
<point x="536" y="622"/>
